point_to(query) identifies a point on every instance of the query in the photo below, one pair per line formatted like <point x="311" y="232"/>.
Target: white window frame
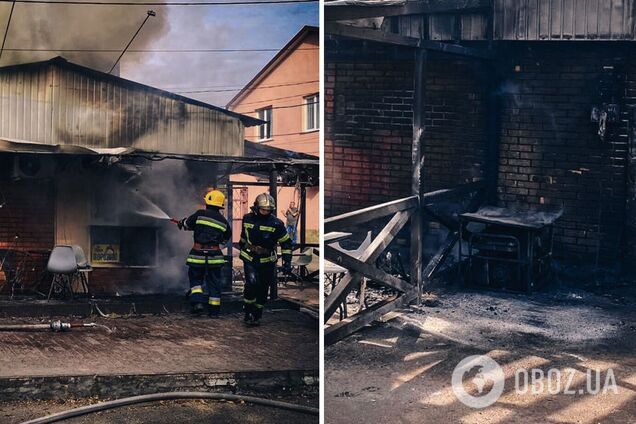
<point x="265" y="130"/>
<point x="311" y="109"/>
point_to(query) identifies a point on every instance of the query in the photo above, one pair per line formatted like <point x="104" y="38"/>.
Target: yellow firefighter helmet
<point x="215" y="198"/>
<point x="265" y="201"/>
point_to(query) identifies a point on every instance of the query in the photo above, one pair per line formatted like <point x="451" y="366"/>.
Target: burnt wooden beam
<point x="365" y="269"/>
<point x="380" y="36"/>
<point x="339" y="12"/>
<point x="377" y="246"/>
<point x="273" y="183"/>
<point x="350" y="219"/>
<point x="419" y="116"/>
<point x="349" y="326"/>
<point x="454" y="192"/>
<point x="438" y="259"/>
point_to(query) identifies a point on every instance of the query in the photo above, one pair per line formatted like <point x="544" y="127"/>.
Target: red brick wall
<point x="29" y="213"/>
<point x="550" y="151"/>
<point x="368" y="125"/>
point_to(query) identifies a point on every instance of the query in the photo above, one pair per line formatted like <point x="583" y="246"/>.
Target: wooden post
<point x="273" y="191"/>
<point x="303" y="216"/>
<point x="229" y="206"/>
<point x="417" y="263"/>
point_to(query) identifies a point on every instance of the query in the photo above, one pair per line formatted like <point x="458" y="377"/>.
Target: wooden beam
<point x="366" y="270"/>
<point x="339" y="12"/>
<point x="350" y="325"/>
<point x="419" y="116"/>
<point x="457" y="191"/>
<point x="341" y="222"/>
<point x="377" y="246"/>
<point x="380" y="36"/>
<point x="438" y="259"/>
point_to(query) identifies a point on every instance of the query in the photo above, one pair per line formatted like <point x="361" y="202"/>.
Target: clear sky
<point x="228" y="27"/>
<point x="57" y="26"/>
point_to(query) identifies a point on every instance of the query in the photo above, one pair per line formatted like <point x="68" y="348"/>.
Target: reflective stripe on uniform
<point x="284" y="238"/>
<point x="248" y="225"/>
<point x="196" y="290"/>
<point x="214" y="301"/>
<point x="246" y="255"/>
<point x="266" y="228"/>
<point x="258" y="306"/>
<point x="200" y="260"/>
<point x="286" y="251"/>
<point x="249" y="300"/>
<point x="210" y="222"/>
<point x="269" y="259"/>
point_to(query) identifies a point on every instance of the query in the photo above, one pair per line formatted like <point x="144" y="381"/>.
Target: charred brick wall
<point x="28" y="212"/>
<point x="369" y="124"/>
<point x="551" y="153"/>
<point x="368" y="130"/>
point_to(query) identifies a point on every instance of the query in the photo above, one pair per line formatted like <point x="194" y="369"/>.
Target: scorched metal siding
<point x="53" y="105"/>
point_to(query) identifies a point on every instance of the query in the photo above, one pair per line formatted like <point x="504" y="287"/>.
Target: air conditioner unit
<point x="32" y="167"/>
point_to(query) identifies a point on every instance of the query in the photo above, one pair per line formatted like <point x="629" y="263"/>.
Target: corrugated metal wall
<point x="531" y="20"/>
<point x="564" y="19"/>
<point x="53" y="105"/>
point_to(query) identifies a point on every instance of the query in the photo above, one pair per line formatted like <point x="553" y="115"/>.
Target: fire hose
<point x="169" y="396"/>
<point x="55" y="326"/>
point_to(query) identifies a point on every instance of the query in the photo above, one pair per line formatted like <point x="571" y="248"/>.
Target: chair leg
<point x="51" y="288"/>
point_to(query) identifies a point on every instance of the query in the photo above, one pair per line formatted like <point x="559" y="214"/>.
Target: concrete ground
<point x="165" y="412"/>
<point x="399" y="371"/>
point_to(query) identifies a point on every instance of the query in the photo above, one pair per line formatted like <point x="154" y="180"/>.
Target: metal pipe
<point x="169" y="396"/>
<point x="56" y="326"/>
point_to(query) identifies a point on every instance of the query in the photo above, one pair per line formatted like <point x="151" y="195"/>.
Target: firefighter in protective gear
<point x="206" y="259"/>
<point x="260" y="235"/>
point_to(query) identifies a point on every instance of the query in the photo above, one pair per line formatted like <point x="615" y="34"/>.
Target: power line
<point x="238" y="89"/>
<point x="6" y="31"/>
<point x="270" y="100"/>
<point x="203" y="3"/>
<point x="152" y="50"/>
<point x="280" y="135"/>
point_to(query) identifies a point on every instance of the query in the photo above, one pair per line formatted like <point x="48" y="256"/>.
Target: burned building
<point x="91" y="159"/>
<point x="533" y="100"/>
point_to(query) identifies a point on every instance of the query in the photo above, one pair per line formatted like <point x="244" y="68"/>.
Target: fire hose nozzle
<point x="174" y="221"/>
<point x="58" y="326"/>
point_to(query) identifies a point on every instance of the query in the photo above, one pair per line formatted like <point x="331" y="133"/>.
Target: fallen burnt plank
<point x="349" y="326"/>
<point x="370" y="254"/>
<point x="365" y="269"/>
<point x="360" y="216"/>
<point x="439" y="257"/>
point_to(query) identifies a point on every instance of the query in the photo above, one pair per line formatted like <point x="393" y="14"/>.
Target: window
<point x="127" y="246"/>
<point x="265" y="130"/>
<point x="312" y="113"/>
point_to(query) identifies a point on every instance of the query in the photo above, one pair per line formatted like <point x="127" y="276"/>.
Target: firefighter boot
<point x="249" y="317"/>
<point x="197" y="309"/>
<point x="258" y="313"/>
<point x="214" y="311"/>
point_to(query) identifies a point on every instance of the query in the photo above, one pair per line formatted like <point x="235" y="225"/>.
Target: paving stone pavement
<point x="286" y="340"/>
